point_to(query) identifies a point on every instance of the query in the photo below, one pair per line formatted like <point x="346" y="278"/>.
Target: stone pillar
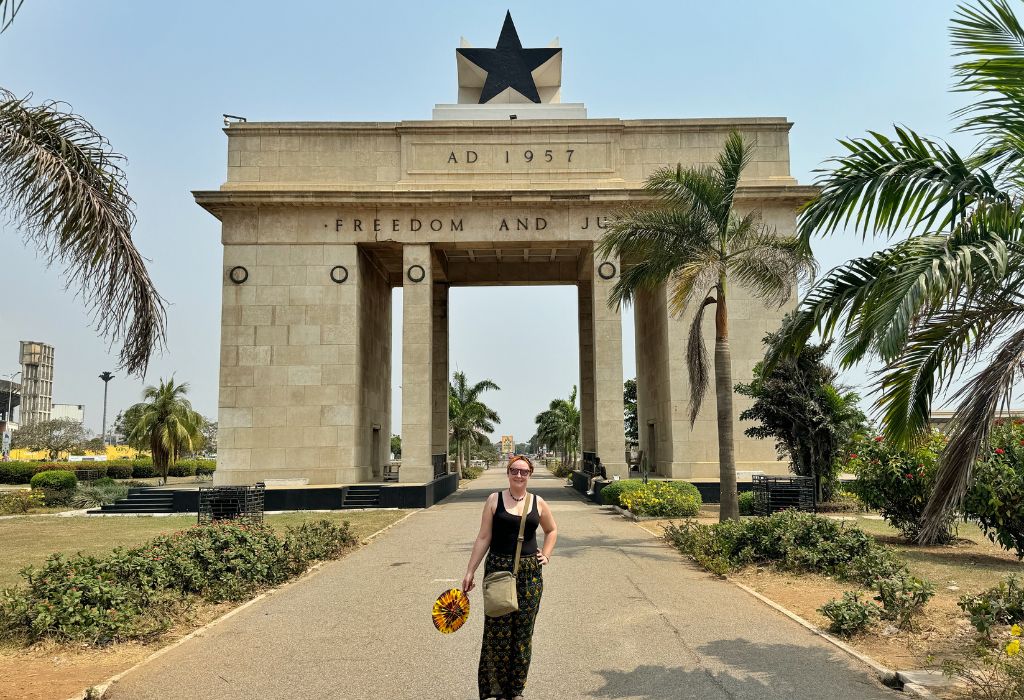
<point x="417" y="364"/>
<point x="288" y="364"/>
<point x="653" y="382"/>
<point x="585" y="316"/>
<point x="609" y="426"/>
<point x="440" y="374"/>
<point x="372" y="437"/>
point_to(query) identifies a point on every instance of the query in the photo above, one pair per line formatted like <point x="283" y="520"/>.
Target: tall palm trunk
<point x="730" y="507"/>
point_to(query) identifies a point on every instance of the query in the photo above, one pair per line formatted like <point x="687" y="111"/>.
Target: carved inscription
<point x="508" y="158"/>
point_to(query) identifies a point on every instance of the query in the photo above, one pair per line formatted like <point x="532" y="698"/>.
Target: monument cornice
<point x="215" y="201"/>
<point x="504" y="127"/>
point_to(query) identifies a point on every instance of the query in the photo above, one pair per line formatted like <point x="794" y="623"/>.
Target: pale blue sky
<point x="155" y="78"/>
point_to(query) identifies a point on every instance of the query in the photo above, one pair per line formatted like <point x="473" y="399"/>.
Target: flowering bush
<point x="996" y="495"/>
<point x="132" y="593"/>
<point x="612" y="493"/>
<point x="18" y="502"/>
<point x="898" y="482"/>
<point x="993" y="671"/>
<point x="662" y="499"/>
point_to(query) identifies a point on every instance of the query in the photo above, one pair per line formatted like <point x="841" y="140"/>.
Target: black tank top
<point x="505" y="530"/>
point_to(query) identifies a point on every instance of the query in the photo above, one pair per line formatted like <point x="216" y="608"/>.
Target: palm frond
<point x="652" y="244"/>
<point x="8" y="9"/>
<point x="697" y="364"/>
<point x="64" y="187"/>
<point x="882" y="185"/>
<point x="969" y="428"/>
<point x="767" y="264"/>
<point x="733" y="159"/>
<point x="695" y="190"/>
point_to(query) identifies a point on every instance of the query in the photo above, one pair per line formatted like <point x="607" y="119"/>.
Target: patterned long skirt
<point x="508" y="640"/>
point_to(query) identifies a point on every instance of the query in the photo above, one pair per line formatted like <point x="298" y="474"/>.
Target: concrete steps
<point x="361" y="497"/>
<point x="140" y="501"/>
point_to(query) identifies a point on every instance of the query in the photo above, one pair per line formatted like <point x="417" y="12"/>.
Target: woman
<point x="505" y="655"/>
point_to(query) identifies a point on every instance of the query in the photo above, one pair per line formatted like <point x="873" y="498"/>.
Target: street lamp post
<point x="106" y="377"/>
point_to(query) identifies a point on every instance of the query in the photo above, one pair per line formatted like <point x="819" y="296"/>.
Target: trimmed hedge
<point x="662" y="499"/>
<point x="55" y="480"/>
<point x="611" y="494"/>
<point x="22" y="472"/>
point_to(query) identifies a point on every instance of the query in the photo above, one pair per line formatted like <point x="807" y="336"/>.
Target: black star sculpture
<point x="509" y="65"/>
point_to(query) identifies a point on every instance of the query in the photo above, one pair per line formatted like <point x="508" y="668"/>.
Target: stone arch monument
<point x="320" y="220"/>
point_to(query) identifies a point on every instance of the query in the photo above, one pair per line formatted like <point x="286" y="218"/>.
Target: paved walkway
<point x="623" y="616"/>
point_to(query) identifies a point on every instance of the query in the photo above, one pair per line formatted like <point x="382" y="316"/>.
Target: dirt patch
<point x="49" y="671"/>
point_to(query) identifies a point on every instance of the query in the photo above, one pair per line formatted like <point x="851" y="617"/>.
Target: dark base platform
<point x="303" y="498"/>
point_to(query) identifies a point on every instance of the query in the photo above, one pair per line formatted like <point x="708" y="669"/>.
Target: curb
<point x="99" y="690"/>
<point x="886" y="675"/>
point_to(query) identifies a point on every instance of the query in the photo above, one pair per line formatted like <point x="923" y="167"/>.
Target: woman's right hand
<point x="467" y="583"/>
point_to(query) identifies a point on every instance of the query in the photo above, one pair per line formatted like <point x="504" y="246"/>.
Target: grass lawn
<point x="969" y="565"/>
<point x="29" y="540"/>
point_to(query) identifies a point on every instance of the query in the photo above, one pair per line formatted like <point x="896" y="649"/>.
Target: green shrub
<point x="54" y="480"/>
<point x="790" y="541"/>
<point x="996" y="495"/>
<point x="746" y="503"/>
<point x="611" y="493"/>
<point x="661" y="499"/>
<point x="316" y="541"/>
<point x="898" y="482"/>
<point x="22" y="472"/>
<point x="902" y="597"/>
<point x="98" y="492"/>
<point x="131" y="593"/>
<point x="119" y="471"/>
<point x="472" y="472"/>
<point x="556" y="467"/>
<point x="20" y="501"/>
<point x="849" y="615"/>
<point x="181" y="469"/>
<point x="1001" y="605"/>
<point x="205" y="467"/>
<point x="142" y="470"/>
<point x="994" y="671"/>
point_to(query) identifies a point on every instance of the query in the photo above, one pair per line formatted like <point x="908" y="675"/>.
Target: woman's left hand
<point x="542" y="558"/>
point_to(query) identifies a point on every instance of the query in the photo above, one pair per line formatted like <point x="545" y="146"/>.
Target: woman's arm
<point x="547" y="523"/>
<point x="480" y="546"/>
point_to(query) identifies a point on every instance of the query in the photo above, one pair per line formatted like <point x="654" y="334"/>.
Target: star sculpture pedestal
<point x="509" y="82"/>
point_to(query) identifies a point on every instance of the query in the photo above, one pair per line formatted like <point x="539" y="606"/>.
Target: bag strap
<point x="522" y="528"/>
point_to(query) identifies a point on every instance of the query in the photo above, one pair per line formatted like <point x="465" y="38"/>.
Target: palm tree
<point x="469" y="419"/>
<point x="695" y="242"/>
<point x="64" y="187"/>
<point x="559" y="428"/>
<point x="948" y="296"/>
<point x="168" y="423"/>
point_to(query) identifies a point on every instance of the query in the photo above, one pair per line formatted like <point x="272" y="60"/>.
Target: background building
<point x="10" y="399"/>
<point x="74" y="411"/>
<point x="36" y="381"/>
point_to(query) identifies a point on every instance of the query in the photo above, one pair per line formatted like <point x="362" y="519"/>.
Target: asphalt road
<point x="623" y="616"/>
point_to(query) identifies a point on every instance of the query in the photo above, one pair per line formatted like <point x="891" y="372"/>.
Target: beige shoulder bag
<point x="500" y="593"/>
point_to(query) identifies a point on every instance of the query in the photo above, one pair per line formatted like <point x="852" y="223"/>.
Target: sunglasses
<point x="519" y="472"/>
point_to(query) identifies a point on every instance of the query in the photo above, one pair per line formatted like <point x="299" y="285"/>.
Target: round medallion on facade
<point x="339" y="273"/>
<point x="238" y="274"/>
<point x="416" y="273"/>
<point x="606" y="270"/>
